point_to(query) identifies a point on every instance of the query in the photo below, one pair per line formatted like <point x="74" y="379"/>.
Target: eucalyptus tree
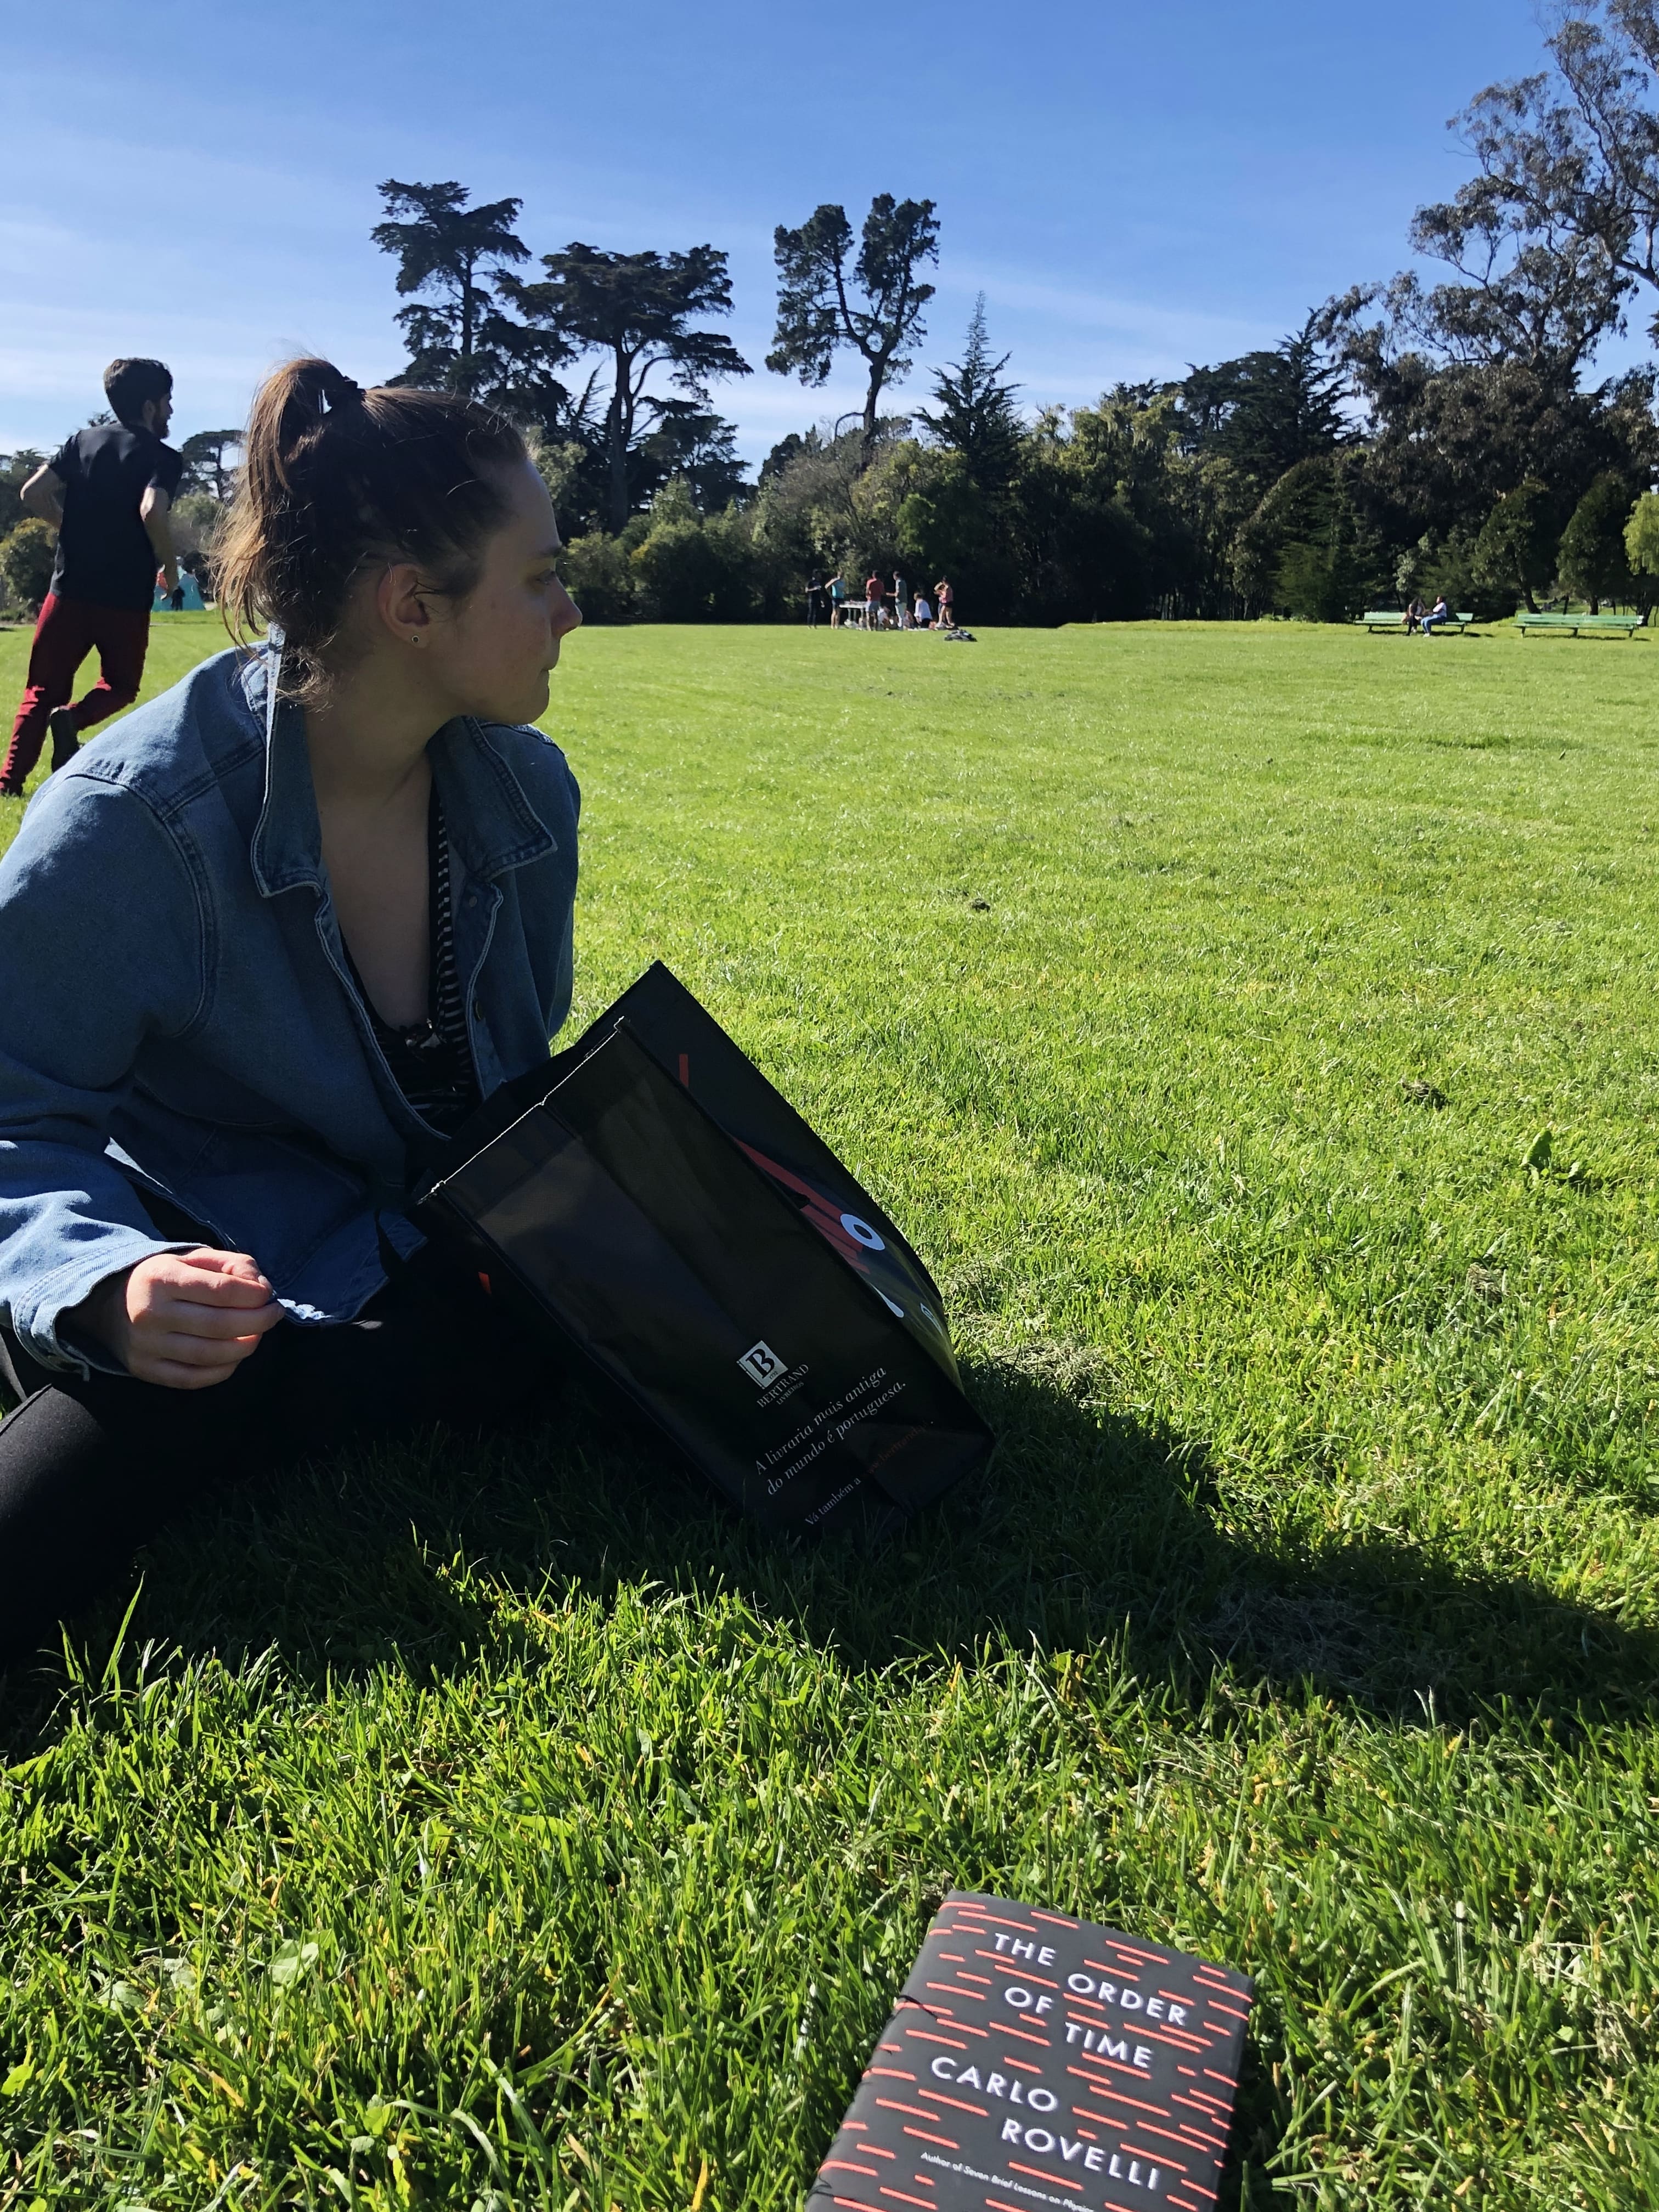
<point x="874" y="308"/>
<point x="1569" y="157"/>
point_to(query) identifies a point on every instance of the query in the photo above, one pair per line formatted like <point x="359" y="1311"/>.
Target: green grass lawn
<point x="510" y="1827"/>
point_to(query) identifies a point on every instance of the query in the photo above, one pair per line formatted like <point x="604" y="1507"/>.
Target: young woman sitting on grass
<point x="261" y="950"/>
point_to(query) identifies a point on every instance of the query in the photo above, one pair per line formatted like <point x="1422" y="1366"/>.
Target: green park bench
<point x="1595" y="625"/>
<point x="1394" y="618"/>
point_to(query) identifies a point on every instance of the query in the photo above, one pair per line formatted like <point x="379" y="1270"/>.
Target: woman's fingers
<point x="231" y="1266"/>
<point x="176" y="1375"/>
<point x="192" y="1318"/>
<point x="216" y="1279"/>
<point x="219" y="1296"/>
<point x="182" y="1315"/>
<point x="193" y="1350"/>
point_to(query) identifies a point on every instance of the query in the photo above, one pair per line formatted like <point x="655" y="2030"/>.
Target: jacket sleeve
<point x="102" y="943"/>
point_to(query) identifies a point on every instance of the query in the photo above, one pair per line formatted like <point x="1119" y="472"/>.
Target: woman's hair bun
<point x="339" y="389"/>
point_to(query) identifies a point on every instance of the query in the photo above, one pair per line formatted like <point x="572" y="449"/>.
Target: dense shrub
<point x="15" y="470"/>
<point x="1592" y="559"/>
<point x="1642" y="550"/>
<point x="692" y="571"/>
<point x="26" y="559"/>
<point x="597" y="577"/>
<point x="196" y="517"/>
<point x="1306" y="550"/>
<point x="1516" y="548"/>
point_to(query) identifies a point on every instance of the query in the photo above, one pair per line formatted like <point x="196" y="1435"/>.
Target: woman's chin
<point x="526" y="706"/>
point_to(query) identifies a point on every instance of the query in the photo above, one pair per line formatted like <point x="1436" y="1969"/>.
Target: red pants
<point x="67" y="630"/>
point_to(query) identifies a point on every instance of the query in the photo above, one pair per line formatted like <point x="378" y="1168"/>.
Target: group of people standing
<point x="880" y="608"/>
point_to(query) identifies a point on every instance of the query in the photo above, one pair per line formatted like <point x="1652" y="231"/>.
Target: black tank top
<point x="432" y="1060"/>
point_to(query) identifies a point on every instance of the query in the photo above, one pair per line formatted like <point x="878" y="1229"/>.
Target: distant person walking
<point x="107" y="492"/>
<point x="945" y="600"/>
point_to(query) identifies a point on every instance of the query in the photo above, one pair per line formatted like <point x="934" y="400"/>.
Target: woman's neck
<point x="367" y="739"/>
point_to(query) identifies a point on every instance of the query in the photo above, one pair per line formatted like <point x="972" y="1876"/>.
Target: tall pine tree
<point x="974" y="414"/>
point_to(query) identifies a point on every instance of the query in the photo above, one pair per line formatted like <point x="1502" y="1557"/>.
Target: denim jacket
<point x="177" y="1011"/>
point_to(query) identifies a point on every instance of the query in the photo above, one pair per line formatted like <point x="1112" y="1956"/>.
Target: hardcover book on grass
<point x="1036" y="2060"/>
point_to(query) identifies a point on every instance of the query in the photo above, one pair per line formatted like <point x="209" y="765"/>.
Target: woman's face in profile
<point x="496" y="652"/>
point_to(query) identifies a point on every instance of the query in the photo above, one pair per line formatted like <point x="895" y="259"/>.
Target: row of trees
<point x="1413" y="436"/>
<point x="608" y="357"/>
<point x="1410" y="437"/>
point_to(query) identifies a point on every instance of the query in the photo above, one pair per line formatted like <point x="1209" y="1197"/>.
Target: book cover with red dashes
<point x="1036" y="2060"/>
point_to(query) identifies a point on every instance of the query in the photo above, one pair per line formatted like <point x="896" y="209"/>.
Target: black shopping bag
<point x="651" y="1200"/>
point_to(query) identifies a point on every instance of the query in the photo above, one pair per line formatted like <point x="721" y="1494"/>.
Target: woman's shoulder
<point x="528" y="751"/>
<point x="538" y="768"/>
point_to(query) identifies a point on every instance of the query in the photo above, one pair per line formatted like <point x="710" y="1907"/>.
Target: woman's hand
<point x="183" y="1319"/>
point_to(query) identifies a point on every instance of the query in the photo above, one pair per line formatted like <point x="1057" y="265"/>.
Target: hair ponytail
<point x="334" y="476"/>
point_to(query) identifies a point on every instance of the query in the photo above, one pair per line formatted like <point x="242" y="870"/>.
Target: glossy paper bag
<point x="662" y="1212"/>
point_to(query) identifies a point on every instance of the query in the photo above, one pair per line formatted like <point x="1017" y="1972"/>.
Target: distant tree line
<point x="1411" y="437"/>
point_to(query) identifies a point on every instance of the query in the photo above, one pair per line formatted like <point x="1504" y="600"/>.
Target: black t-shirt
<point x="104" y="552"/>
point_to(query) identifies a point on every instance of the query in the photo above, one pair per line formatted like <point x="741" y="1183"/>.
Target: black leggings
<point x="90" y="1470"/>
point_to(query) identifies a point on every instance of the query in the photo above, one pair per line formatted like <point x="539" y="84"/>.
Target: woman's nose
<point x="566" y="614"/>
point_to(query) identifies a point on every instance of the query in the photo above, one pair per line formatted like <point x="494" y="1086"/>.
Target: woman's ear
<point x="401" y="604"/>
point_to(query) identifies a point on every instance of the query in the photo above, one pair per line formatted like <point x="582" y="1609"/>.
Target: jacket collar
<point x="491" y="824"/>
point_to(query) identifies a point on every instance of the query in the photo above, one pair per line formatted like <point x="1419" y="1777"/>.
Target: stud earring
<point x="413" y="637"/>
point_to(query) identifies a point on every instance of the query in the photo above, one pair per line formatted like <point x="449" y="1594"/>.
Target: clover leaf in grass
<point x="293" y="1960"/>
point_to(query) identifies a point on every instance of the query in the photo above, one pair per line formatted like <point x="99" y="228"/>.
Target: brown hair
<point x="335" y="476"/>
<point x="128" y="384"/>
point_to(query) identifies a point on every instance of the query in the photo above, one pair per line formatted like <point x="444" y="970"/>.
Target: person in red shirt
<point x="107" y="492"/>
<point x="875" y="612"/>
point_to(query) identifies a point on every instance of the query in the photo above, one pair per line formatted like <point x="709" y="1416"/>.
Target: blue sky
<point x="1133" y="187"/>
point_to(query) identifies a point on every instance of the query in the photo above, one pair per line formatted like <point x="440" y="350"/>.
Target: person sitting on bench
<point x="1437" y="614"/>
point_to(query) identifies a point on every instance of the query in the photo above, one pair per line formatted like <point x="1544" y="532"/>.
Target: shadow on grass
<point x="1088" y="1528"/>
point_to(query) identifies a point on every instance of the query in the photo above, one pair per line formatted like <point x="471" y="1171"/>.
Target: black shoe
<point x="65" y="738"/>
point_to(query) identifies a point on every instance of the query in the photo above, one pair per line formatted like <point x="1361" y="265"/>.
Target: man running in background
<point x="107" y="492"/>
